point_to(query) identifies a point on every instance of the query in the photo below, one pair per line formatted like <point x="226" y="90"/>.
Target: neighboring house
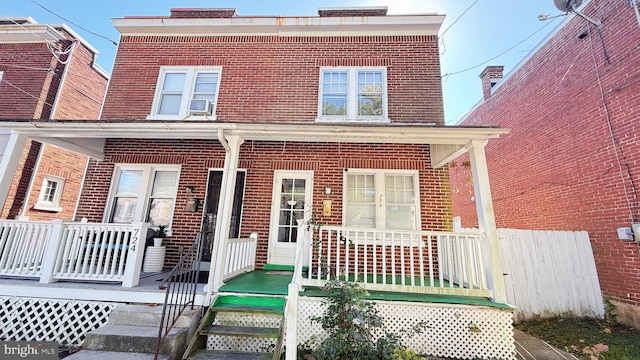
<point x="47" y="72"/>
<point x="572" y="159"/>
<point x="247" y="124"/>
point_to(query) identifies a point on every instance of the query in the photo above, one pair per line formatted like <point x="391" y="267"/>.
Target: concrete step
<point x="135" y="339"/>
<point x="110" y="355"/>
<point x="229" y="355"/>
<point x="144" y="315"/>
<point x="249" y="309"/>
<point x="244" y="331"/>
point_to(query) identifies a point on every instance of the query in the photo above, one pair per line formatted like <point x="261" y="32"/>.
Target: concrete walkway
<point x="531" y="348"/>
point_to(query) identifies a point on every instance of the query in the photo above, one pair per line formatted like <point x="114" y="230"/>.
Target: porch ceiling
<point x="89" y="137"/>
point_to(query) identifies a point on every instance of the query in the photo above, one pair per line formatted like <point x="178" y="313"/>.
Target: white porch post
<point x="9" y="163"/>
<point x="486" y="216"/>
<point x="51" y="252"/>
<point x="136" y="250"/>
<point x="223" y="222"/>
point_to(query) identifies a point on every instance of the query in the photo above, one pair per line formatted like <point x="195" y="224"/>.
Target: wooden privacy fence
<point x="549" y="273"/>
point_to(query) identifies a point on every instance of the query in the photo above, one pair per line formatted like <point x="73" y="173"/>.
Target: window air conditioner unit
<point x="200" y="107"/>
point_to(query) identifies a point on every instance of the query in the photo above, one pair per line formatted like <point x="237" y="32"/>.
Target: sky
<point x="475" y="33"/>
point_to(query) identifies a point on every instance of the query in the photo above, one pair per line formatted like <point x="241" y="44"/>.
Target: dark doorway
<point x="211" y="209"/>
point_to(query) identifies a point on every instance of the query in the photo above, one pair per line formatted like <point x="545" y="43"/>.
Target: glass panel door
<point x="291" y="202"/>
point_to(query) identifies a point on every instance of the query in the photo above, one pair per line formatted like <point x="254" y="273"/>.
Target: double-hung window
<point x="381" y="199"/>
<point x="50" y="194"/>
<point x="143" y="193"/>
<point x="353" y="94"/>
<point x="178" y="87"/>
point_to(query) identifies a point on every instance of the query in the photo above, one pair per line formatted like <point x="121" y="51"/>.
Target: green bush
<point x="349" y="322"/>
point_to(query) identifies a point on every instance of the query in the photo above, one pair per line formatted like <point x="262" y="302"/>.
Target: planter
<point x="154" y="259"/>
<point x="157" y="241"/>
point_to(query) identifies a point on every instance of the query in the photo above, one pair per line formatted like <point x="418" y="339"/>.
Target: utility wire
<point x="444" y="48"/>
<point x="74" y="24"/>
<point x="458" y="18"/>
<point x="24" y="91"/>
<point x="618" y="150"/>
<point x="441" y="38"/>
<point x="446" y="76"/>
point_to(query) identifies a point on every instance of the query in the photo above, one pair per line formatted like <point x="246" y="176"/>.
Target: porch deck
<point x="275" y="282"/>
<point x="147" y="291"/>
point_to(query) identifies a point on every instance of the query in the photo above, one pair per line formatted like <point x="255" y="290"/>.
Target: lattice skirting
<point x="64" y="321"/>
<point x="457" y="331"/>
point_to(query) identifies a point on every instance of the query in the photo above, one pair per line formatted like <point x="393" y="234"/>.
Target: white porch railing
<point x="240" y="256"/>
<point x="22" y="247"/>
<point x="60" y="250"/>
<point x="399" y="261"/>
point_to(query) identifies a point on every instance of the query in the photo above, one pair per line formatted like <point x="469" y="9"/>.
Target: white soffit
<point x="29" y="33"/>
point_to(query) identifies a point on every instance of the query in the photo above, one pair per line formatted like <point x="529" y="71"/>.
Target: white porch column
<point x="486" y="216"/>
<point x="9" y="163"/>
<point x="223" y="222"/>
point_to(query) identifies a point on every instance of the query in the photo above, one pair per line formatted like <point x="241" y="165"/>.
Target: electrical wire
<point x="453" y="23"/>
<point x="74" y="24"/>
<point x="617" y="148"/>
<point x="51" y="46"/>
<point x="4" y="80"/>
<point x="24" y="67"/>
<point x="446" y="76"/>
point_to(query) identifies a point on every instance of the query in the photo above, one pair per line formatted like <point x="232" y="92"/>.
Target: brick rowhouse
<point x="37" y="85"/>
<point x="271" y="79"/>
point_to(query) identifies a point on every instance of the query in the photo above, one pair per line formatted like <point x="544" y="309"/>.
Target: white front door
<point x="291" y="201"/>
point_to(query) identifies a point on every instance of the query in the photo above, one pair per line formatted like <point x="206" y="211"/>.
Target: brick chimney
<point x="489" y="77"/>
<point x="188" y="13"/>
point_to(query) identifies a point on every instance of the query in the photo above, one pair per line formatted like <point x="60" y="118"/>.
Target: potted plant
<point x="159" y="234"/>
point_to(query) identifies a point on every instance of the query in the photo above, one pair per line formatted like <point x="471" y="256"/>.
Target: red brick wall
<point x="30" y="76"/>
<point x="20" y="184"/>
<point x="559" y="168"/>
<point x="275" y="79"/>
<point x="261" y="159"/>
<point x="61" y="163"/>
<point x="24" y="66"/>
<point x="83" y="90"/>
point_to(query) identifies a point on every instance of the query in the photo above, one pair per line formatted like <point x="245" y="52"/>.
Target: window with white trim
<point x="143" y="193"/>
<point x="381" y="199"/>
<point x="353" y="94"/>
<point x="50" y="194"/>
<point x="178" y="86"/>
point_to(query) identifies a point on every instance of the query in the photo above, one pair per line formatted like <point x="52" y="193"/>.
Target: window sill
<point x="184" y="117"/>
<point x="47" y="207"/>
<point x="382" y="120"/>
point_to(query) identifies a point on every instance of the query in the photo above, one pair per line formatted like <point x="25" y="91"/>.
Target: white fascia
<point x="420" y="24"/>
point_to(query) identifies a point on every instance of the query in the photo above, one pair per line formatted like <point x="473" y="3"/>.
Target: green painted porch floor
<point x="272" y="282"/>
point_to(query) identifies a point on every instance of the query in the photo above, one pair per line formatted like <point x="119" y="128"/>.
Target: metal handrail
<point x="180" y="285"/>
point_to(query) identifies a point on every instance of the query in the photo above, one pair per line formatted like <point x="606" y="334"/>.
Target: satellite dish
<point x="567" y="5"/>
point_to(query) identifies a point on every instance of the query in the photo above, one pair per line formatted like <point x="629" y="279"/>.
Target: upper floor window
<point x="353" y="94"/>
<point x="50" y="194"/>
<point x="143" y="193"/>
<point x="183" y="92"/>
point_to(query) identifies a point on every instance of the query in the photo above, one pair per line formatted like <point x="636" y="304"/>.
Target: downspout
<point x="63" y="79"/>
<point x="634" y="4"/>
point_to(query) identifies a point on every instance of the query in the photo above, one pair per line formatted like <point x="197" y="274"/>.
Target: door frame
<point x="272" y="256"/>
